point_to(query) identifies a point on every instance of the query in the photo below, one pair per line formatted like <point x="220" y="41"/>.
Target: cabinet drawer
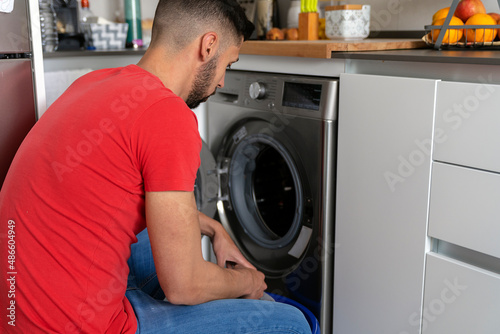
<point x="468" y="125"/>
<point x="464" y="208"/>
<point x="459" y="298"/>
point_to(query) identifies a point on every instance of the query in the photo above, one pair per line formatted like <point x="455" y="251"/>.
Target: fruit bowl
<point x="465" y="24"/>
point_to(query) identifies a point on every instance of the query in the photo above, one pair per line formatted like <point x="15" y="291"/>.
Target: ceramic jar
<point x="347" y="22"/>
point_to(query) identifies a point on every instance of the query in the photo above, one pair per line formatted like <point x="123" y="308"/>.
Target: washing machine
<point x="268" y="175"/>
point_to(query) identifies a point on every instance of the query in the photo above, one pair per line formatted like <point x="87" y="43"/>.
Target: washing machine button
<point x="257" y="90"/>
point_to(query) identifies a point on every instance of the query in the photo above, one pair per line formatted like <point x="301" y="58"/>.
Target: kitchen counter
<point x="94" y="53"/>
<point x="308" y="49"/>
<point x="466" y="56"/>
<point x="326" y="48"/>
<point x="411" y="50"/>
<point x="407" y="50"/>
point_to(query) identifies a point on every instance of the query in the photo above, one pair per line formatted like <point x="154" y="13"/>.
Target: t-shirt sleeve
<point x="166" y="145"/>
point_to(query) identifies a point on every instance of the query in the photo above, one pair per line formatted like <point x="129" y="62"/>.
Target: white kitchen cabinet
<point x="462" y="282"/>
<point x="465" y="208"/>
<point x="460" y="298"/>
<point x="383" y="178"/>
<point x="468" y="118"/>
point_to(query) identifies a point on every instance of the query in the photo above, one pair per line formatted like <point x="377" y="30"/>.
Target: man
<point x="117" y="152"/>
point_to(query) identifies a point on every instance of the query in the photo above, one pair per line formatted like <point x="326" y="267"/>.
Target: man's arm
<point x="186" y="278"/>
<point x="224" y="247"/>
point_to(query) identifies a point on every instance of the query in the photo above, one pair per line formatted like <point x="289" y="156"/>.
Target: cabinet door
<point x="15" y="36"/>
<point x="460" y="298"/>
<point x="468" y="119"/>
<point x="383" y="175"/>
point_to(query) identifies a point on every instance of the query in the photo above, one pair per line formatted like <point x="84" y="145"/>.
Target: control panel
<point x="314" y="97"/>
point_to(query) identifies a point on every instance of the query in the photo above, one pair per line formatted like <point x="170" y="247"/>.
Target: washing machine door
<point x="206" y="186"/>
<point x="264" y="202"/>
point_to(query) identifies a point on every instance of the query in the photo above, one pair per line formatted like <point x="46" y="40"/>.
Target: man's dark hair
<point x="180" y="21"/>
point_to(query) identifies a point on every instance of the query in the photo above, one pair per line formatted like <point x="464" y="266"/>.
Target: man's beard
<point x="203" y="81"/>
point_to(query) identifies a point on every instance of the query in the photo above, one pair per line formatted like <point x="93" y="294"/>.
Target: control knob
<point x="257" y="90"/>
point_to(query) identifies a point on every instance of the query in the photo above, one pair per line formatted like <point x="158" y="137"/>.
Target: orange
<point x="452" y="36"/>
<point x="481" y="35"/>
<point x="440" y="14"/>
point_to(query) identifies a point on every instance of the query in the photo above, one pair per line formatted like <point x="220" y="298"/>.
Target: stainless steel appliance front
<point x="274" y="139"/>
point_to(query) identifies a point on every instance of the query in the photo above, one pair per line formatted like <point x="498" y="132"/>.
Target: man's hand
<point x="258" y="282"/>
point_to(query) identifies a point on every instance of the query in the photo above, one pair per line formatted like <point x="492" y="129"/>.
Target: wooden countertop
<point x="325" y="48"/>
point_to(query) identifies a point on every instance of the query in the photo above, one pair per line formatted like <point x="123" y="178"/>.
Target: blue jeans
<point x="154" y="315"/>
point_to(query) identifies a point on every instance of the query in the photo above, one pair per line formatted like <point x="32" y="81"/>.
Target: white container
<point x="347" y="22"/>
<point x="293" y="14"/>
<point x="109" y="36"/>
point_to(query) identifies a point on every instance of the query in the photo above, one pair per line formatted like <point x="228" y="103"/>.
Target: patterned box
<point x="347" y="22"/>
<point x="109" y="36"/>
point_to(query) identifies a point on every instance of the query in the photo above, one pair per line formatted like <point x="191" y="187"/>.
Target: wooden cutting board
<point x="324" y="48"/>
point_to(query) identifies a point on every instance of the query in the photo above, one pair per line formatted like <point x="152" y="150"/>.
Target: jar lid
<point x="344" y="7"/>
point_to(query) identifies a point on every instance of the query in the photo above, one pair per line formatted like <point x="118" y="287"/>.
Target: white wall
<point x="386" y="14"/>
<point x="113" y="9"/>
<point x="410" y="14"/>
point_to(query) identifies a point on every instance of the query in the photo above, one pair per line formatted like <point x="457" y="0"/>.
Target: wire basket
<point x="448" y="36"/>
<point x="476" y="38"/>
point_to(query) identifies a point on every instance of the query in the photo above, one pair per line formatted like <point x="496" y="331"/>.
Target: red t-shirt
<point x="74" y="197"/>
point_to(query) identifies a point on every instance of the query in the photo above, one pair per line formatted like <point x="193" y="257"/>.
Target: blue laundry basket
<point x="311" y="319"/>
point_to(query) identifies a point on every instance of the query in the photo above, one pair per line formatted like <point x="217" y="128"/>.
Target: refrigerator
<point x="22" y="87"/>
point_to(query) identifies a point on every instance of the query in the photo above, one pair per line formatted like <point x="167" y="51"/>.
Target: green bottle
<point x="133" y="18"/>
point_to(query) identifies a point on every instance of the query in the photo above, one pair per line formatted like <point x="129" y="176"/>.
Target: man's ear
<point x="209" y="45"/>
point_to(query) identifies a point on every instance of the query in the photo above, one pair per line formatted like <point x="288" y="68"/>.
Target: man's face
<point x="202" y="84"/>
<point x="210" y="76"/>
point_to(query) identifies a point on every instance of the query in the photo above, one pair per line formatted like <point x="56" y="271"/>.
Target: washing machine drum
<point x="264" y="202"/>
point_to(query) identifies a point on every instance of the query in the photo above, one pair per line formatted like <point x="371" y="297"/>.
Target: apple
<point x="496" y="16"/>
<point x="467" y="8"/>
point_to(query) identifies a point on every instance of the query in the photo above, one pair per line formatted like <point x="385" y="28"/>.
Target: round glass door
<point x="265" y="202"/>
<point x="266" y="191"/>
